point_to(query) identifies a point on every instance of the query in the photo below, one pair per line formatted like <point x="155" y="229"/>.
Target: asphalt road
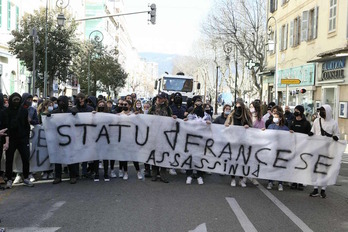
<point x="143" y="205"/>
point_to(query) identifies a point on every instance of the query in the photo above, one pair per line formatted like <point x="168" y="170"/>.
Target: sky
<point x="178" y="25"/>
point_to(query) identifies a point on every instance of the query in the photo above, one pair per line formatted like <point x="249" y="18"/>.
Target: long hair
<point x="106" y="110"/>
<point x="43" y="106"/>
<point x="245" y="116"/>
<point x="140" y="111"/>
<point x="257" y="107"/>
<point x="281" y="118"/>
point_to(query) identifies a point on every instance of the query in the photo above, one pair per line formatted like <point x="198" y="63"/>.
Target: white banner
<point x="39" y="160"/>
<point x="166" y="142"/>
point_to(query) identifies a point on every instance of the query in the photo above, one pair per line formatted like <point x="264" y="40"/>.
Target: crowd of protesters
<point x="18" y="113"/>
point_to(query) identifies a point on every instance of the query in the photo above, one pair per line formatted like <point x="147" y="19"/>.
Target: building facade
<point x="312" y="46"/>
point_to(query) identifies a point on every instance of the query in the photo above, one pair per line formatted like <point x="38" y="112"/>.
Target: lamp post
<point x="228" y="47"/>
<point x="97" y="39"/>
<point x="216" y="91"/>
<point x="273" y="44"/>
<point x="36" y="41"/>
<point x="60" y="4"/>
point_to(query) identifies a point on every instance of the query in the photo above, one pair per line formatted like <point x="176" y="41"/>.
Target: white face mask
<point x="146" y="111"/>
<point x="50" y="108"/>
<point x="252" y="110"/>
<point x="138" y="106"/>
<point x="275" y="120"/>
<point x="227" y="112"/>
<point x="55" y="106"/>
<point x="34" y="104"/>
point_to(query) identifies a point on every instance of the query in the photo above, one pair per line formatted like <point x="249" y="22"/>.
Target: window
<point x="295" y="32"/>
<point x="332" y="17"/>
<point x="284" y="1"/>
<point x="313" y="23"/>
<point x="8" y="15"/>
<point x="283" y="39"/>
<point x="273" y="6"/>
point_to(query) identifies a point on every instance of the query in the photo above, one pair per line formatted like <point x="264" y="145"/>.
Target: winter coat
<point x="221" y="119"/>
<point x="300" y="126"/>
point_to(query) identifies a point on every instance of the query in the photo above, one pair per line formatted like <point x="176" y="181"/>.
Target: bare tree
<point x="242" y="23"/>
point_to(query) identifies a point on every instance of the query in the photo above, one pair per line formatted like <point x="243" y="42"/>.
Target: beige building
<point x="311" y="45"/>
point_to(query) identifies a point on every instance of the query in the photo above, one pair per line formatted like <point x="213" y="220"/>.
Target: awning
<point x="330" y="55"/>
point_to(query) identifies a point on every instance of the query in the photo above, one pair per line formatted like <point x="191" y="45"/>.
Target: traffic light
<point x="153" y="13"/>
<point x="303" y="90"/>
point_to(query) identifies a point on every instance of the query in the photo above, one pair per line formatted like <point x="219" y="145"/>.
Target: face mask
<point x="138" y="106"/>
<point x="101" y="109"/>
<point x="28" y="103"/>
<point x="227" y="112"/>
<point x="146" y="111"/>
<point x="15" y="104"/>
<point x="296" y="113"/>
<point x="207" y="111"/>
<point x="55" y="106"/>
<point x="275" y="120"/>
<point x="34" y="104"/>
<point x="199" y="112"/>
<point x="125" y="108"/>
<point x="252" y="110"/>
<point x="50" y="108"/>
<point x="62" y="105"/>
<point x="239" y="110"/>
<point x="322" y="114"/>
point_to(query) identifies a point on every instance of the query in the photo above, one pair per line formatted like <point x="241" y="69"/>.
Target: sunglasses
<point x="34" y="100"/>
<point x="123" y="104"/>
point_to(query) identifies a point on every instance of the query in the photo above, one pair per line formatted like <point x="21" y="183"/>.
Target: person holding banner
<point x="278" y="124"/>
<point x="299" y="125"/>
<point x="101" y="108"/>
<point x="127" y="106"/>
<point x="63" y="107"/>
<point x="18" y="133"/>
<point x="325" y="125"/>
<point x="4" y="140"/>
<point x="222" y="118"/>
<point x="161" y="108"/>
<point x="240" y="116"/>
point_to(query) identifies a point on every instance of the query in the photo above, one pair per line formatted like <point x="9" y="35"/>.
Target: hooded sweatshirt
<point x="34" y="119"/>
<point x="328" y="124"/>
<point x="18" y="124"/>
<point x="3" y="115"/>
<point x="64" y="109"/>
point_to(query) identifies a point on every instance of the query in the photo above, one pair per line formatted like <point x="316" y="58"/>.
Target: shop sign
<point x="333" y="69"/>
<point x="305" y="74"/>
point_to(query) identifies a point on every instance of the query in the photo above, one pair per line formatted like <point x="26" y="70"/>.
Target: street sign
<point x="250" y="64"/>
<point x="0" y="69"/>
<point x="290" y="81"/>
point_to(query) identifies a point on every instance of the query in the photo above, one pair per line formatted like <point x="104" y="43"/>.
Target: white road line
<point x="33" y="229"/>
<point x="50" y="212"/>
<point x="285" y="210"/>
<point x="242" y="218"/>
<point x="200" y="228"/>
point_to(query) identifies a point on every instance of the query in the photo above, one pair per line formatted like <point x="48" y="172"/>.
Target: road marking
<point x="33" y="229"/>
<point x="200" y="228"/>
<point x="285" y="210"/>
<point x="50" y="212"/>
<point x="242" y="218"/>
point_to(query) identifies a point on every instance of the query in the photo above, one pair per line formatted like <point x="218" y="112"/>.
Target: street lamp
<point x="36" y="41"/>
<point x="95" y="37"/>
<point x="60" y="4"/>
<point x="228" y="47"/>
<point x="272" y="45"/>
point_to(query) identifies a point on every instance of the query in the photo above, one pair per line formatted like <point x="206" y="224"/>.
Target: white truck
<point x="177" y="83"/>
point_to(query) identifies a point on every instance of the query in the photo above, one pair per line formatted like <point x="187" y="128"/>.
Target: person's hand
<point x="208" y="122"/>
<point x="2" y="132"/>
<point x="94" y="112"/>
<point x="226" y="125"/>
<point x="263" y="129"/>
<point x="48" y="115"/>
<point x="186" y="113"/>
<point x="174" y="116"/>
<point x="185" y="119"/>
<point x="291" y="131"/>
<point x="310" y="133"/>
<point x="5" y="147"/>
<point x="73" y="113"/>
<point x="335" y="138"/>
<point x="246" y="126"/>
<point x="136" y="112"/>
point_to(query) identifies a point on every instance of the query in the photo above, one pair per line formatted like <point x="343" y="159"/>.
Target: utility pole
<point x="216" y="92"/>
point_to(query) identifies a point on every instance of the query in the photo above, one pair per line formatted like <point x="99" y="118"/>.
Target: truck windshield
<point x="177" y="84"/>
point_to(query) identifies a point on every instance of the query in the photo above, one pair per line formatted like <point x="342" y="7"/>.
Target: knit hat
<point x="300" y="108"/>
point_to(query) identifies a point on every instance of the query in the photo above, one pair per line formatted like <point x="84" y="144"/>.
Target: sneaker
<point x="18" y="179"/>
<point x="280" y="187"/>
<point x="322" y="194"/>
<point x="100" y="165"/>
<point x="200" y="180"/>
<point x="57" y="181"/>
<point x="147" y="173"/>
<point x="31" y="178"/>
<point x="120" y="173"/>
<point x="44" y="176"/>
<point x="73" y="181"/>
<point x="233" y="183"/>
<point x="28" y="183"/>
<point x="125" y="176"/>
<point x="270" y="186"/>
<point x="242" y="183"/>
<point x="50" y="175"/>
<point x="140" y="177"/>
<point x="113" y="174"/>
<point x="189" y="180"/>
<point x="255" y="182"/>
<point x="9" y="184"/>
<point x="293" y="186"/>
<point x="96" y="178"/>
<point x="2" y="181"/>
<point x="300" y="187"/>
<point x="315" y="193"/>
<point x="106" y="178"/>
<point x="164" y="180"/>
<point x="172" y="172"/>
<point x="182" y="171"/>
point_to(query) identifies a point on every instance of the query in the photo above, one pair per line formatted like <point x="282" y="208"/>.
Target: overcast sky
<point x="177" y="26"/>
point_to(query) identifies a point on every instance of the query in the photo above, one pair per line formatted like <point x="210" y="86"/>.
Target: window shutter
<point x="285" y="39"/>
<point x="304" y="31"/>
<point x="298" y="30"/>
<point x="280" y="38"/>
<point x="291" y="38"/>
<point x="275" y="5"/>
<point x="315" y="22"/>
<point x="271" y="7"/>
